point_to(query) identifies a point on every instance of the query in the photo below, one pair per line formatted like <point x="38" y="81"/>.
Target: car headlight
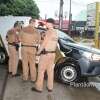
<point x="91" y="56"/>
<point x="95" y="57"/>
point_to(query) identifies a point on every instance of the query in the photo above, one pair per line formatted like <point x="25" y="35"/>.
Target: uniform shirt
<point x="12" y="36"/>
<point x="29" y="36"/>
<point x="50" y="41"/>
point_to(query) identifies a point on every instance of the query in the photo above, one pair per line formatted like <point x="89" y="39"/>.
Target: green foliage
<point x="19" y="8"/>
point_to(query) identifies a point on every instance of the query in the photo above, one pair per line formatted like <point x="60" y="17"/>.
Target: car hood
<point x="82" y="47"/>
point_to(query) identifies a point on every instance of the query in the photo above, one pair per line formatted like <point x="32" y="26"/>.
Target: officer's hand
<point x="37" y="54"/>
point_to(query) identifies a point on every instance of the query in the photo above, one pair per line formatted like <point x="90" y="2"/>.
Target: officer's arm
<point x="7" y="35"/>
<point x="40" y="50"/>
<point x="38" y="38"/>
<point x="20" y="36"/>
<point x="42" y="46"/>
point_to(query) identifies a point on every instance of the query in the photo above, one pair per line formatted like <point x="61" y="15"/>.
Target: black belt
<point x="50" y="51"/>
<point x="16" y="45"/>
<point x="28" y="46"/>
<point x="13" y="44"/>
<point x="46" y="52"/>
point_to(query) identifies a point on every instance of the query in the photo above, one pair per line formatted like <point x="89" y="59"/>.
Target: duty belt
<point x="16" y="45"/>
<point x="13" y="43"/>
<point x="29" y="46"/>
<point x="46" y="52"/>
<point x="50" y="51"/>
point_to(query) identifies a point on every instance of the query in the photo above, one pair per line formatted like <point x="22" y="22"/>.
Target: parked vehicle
<point x="77" y="60"/>
<point x="3" y="53"/>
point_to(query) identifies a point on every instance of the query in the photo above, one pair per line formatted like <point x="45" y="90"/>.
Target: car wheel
<point x="67" y="73"/>
<point x="3" y="57"/>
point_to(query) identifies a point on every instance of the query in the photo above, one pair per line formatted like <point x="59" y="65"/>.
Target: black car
<point x="3" y="52"/>
<point x="77" y="60"/>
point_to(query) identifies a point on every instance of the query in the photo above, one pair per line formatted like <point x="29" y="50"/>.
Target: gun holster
<point x="17" y="47"/>
<point x="43" y="51"/>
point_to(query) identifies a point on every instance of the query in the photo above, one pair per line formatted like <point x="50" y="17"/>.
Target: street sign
<point x="93" y="20"/>
<point x="91" y="14"/>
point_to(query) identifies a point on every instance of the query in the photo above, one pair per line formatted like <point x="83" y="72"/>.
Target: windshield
<point x="66" y="41"/>
<point x="64" y="36"/>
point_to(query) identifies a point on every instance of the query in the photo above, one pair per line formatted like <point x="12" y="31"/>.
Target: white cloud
<point x="49" y="7"/>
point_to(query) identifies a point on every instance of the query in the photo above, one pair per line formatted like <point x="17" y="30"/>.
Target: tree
<point x="19" y="8"/>
<point x="4" y="1"/>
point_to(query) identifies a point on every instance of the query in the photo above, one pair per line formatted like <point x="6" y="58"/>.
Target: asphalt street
<point x="16" y="89"/>
<point x="3" y="79"/>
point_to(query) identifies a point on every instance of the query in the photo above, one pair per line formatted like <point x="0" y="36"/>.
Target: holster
<point x="17" y="47"/>
<point x="43" y="51"/>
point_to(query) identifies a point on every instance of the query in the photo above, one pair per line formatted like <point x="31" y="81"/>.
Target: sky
<point x="51" y="7"/>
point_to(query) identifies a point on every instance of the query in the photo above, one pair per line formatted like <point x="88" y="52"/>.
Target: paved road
<point x="3" y="75"/>
<point x="17" y="90"/>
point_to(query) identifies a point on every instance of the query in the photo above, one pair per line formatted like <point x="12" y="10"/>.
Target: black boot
<point x="15" y="75"/>
<point x="34" y="89"/>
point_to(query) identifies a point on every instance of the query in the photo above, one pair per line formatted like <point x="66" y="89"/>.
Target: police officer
<point x="47" y="57"/>
<point x="29" y="38"/>
<point x="13" y="40"/>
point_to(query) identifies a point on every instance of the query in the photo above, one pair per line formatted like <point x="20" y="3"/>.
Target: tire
<point x="67" y="73"/>
<point x="3" y="57"/>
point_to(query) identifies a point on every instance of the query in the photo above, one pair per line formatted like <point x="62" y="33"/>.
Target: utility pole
<point x="61" y="14"/>
<point x="70" y="18"/>
<point x="97" y="27"/>
<point x="65" y="15"/>
<point x="45" y="16"/>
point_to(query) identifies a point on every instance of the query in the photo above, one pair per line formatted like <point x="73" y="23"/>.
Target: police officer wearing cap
<point x="47" y="56"/>
<point x="29" y="38"/>
<point x="13" y="45"/>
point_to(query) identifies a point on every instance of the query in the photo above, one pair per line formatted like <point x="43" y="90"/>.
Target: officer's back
<point x="29" y="37"/>
<point x="29" y="34"/>
<point x="11" y="36"/>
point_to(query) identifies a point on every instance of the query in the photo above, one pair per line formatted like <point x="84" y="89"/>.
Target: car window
<point x="65" y="37"/>
<point x="61" y="35"/>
